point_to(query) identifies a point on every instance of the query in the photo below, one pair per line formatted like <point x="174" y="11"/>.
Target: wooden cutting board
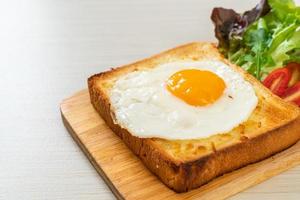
<point x="128" y="178"/>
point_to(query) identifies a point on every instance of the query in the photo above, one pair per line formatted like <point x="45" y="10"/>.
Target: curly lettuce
<point x="268" y="42"/>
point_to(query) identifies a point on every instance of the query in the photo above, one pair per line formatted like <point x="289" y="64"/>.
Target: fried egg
<point x="182" y="100"/>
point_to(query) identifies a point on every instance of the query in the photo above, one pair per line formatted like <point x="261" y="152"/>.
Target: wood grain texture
<point x="128" y="178"/>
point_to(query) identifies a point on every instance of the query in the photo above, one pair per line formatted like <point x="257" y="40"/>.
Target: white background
<point x="47" y="51"/>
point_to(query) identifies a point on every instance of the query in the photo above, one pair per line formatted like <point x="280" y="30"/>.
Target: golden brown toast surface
<point x="185" y="164"/>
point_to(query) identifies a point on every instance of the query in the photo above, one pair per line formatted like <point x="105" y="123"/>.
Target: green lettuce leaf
<point x="283" y="51"/>
<point x="282" y="7"/>
<point x="270" y="42"/>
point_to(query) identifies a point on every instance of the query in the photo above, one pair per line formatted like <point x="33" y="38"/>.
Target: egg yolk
<point x="196" y="87"/>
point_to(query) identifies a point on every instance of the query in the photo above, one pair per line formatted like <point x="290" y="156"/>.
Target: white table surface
<point x="47" y="51"/>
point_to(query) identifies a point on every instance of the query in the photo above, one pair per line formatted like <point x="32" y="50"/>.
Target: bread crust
<point x="183" y="175"/>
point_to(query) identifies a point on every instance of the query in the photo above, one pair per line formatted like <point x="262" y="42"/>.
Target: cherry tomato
<point x="278" y="80"/>
<point x="295" y="71"/>
<point x="292" y="94"/>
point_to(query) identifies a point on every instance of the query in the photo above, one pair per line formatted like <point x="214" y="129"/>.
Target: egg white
<point x="142" y="104"/>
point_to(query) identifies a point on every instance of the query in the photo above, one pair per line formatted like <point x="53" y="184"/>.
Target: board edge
<point x="109" y="183"/>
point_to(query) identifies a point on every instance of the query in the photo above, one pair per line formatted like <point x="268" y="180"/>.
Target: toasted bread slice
<point x="182" y="165"/>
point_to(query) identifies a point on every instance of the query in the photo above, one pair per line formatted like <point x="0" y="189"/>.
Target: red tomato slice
<point x="278" y="80"/>
<point x="292" y="94"/>
<point x="295" y="71"/>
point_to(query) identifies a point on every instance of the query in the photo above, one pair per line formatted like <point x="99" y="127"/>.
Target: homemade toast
<point x="182" y="165"/>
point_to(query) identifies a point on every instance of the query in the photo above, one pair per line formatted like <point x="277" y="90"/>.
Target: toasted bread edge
<point x="183" y="176"/>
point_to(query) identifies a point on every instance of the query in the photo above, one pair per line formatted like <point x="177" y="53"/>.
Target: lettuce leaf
<point x="230" y="25"/>
<point x="269" y="42"/>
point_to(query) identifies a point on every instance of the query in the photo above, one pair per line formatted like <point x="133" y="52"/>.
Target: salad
<point x="265" y="41"/>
